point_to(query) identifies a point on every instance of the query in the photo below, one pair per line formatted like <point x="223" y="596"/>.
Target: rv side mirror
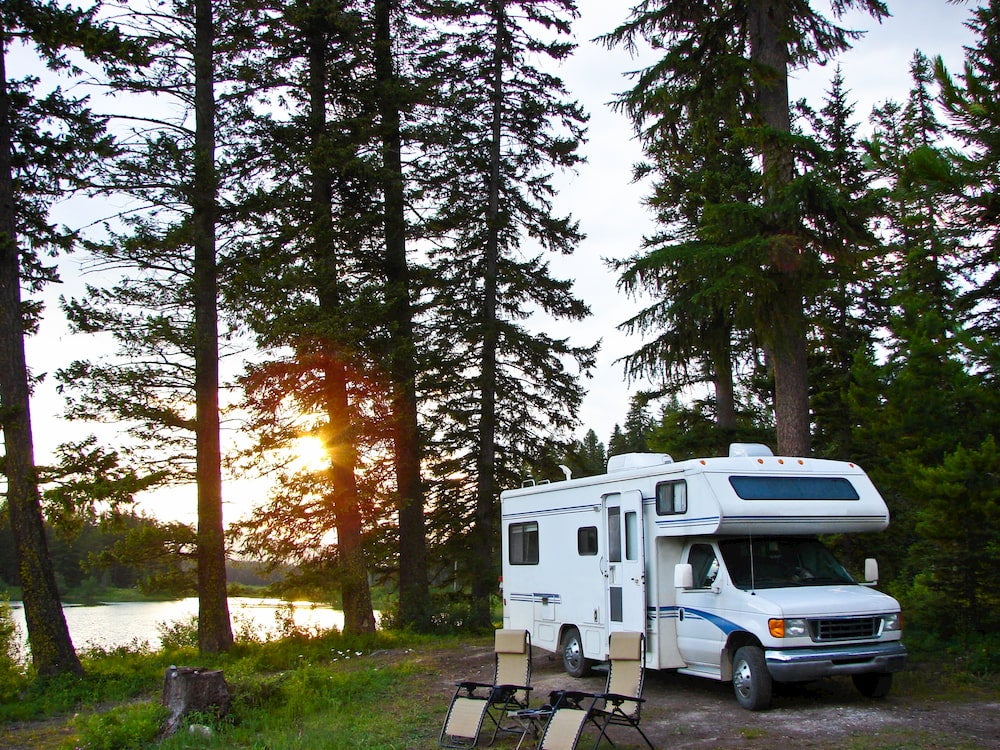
<point x="871" y="570"/>
<point x="683" y="576"/>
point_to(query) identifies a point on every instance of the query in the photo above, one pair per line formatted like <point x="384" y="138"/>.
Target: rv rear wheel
<point x="751" y="681"/>
<point x="873" y="684"/>
<point x="574" y="662"/>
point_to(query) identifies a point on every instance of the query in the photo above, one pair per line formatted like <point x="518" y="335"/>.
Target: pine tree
<point x="402" y="346"/>
<point x="163" y="312"/>
<point x="503" y="126"/>
<point x="750" y="49"/>
<point x="303" y="277"/>
<point x="958" y="552"/>
<point x="846" y="314"/>
<point x="48" y="145"/>
<point x="972" y="104"/>
<point x="587" y="457"/>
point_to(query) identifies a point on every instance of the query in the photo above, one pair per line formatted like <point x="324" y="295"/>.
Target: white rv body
<point x="673" y="550"/>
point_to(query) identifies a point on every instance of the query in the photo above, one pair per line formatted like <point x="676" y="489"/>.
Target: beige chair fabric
<point x="474" y="702"/>
<point x="625" y="675"/>
<point x="563" y="729"/>
<point x="619" y="704"/>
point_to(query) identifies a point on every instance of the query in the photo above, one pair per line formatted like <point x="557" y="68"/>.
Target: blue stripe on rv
<point x="673" y="613"/>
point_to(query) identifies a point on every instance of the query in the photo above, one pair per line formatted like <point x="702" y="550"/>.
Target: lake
<point x="121" y="623"/>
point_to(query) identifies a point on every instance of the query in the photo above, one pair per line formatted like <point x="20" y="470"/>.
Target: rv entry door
<point x="626" y="579"/>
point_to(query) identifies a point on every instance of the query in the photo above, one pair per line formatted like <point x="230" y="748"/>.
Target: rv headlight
<point x="892" y="622"/>
<point x="789" y="628"/>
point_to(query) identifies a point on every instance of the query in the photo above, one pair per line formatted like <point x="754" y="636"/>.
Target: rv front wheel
<point x="751" y="680"/>
<point x="574" y="662"/>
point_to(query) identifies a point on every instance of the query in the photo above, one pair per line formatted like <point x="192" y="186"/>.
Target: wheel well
<point x="562" y="633"/>
<point x="736" y="641"/>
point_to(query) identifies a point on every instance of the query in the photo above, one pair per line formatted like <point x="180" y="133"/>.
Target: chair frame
<point x="608" y="709"/>
<point x="499" y="698"/>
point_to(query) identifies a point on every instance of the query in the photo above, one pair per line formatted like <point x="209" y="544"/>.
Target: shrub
<point x="127" y="727"/>
<point x="12" y="675"/>
<point x="179" y="634"/>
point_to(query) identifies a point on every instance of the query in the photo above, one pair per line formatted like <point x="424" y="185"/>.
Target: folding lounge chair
<point x="622" y="700"/>
<point x="474" y="702"/>
<point x="619" y="704"/>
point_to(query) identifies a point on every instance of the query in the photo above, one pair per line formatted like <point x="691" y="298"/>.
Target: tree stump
<point x="190" y="689"/>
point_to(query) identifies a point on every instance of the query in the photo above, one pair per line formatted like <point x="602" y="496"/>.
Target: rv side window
<point x="523" y="538"/>
<point x="671" y="498"/>
<point x="586" y="540"/>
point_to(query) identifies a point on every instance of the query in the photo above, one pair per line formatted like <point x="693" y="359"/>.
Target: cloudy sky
<point x="600" y="195"/>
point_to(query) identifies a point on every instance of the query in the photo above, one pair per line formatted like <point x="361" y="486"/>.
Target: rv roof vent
<point x="738" y="450"/>
<point x="629" y="461"/>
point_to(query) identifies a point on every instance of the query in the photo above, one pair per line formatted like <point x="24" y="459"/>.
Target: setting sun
<point x="310" y="454"/>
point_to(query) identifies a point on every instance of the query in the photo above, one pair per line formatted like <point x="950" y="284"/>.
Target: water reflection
<point x="118" y="624"/>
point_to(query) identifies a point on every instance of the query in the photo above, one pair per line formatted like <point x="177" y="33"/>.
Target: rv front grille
<point x="845" y="628"/>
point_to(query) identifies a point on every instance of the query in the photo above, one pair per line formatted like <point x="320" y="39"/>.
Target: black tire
<point x="873" y="684"/>
<point x="571" y="648"/>
<point x="752" y="683"/>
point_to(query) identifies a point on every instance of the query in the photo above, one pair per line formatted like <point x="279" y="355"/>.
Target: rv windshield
<point x="781" y="561"/>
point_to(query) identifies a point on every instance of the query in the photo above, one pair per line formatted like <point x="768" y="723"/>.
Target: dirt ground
<point x="691" y="712"/>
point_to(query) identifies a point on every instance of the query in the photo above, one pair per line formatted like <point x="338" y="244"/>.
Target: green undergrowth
<point x="304" y="690"/>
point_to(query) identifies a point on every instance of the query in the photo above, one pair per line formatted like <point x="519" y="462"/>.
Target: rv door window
<point x="631" y="535"/>
<point x="615" y="534"/>
<point x="586" y="541"/>
<point x="523" y="538"/>
<point x="671" y="498"/>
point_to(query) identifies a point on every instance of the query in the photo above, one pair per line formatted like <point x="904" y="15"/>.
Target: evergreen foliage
<point x="49" y="145"/>
<point x="500" y="394"/>
<point x="361" y="194"/>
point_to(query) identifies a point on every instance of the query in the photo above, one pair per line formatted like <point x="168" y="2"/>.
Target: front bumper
<point x="800" y="664"/>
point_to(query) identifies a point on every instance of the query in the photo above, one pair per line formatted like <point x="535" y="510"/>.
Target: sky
<point x="600" y="194"/>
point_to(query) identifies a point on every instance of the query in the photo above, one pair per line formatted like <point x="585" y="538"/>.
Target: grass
<point x="307" y="691"/>
<point x="303" y="691"/>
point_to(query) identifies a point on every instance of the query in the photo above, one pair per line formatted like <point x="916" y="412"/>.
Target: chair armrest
<point x="617" y="699"/>
<point x="471" y="686"/>
<point x="569" y="697"/>
<point x="504" y="692"/>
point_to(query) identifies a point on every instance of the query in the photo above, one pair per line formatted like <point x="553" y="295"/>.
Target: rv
<point x="718" y="562"/>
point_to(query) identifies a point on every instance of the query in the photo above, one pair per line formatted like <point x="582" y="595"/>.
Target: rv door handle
<point x="603" y="565"/>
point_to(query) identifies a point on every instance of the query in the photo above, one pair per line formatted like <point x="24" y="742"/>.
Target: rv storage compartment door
<point x="626" y="562"/>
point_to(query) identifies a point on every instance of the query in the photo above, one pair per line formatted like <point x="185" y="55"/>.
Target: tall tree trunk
<point x="483" y="543"/>
<point x="52" y="649"/>
<point x="721" y="355"/>
<point x="413" y="579"/>
<point x="340" y="438"/>
<point x="784" y="322"/>
<point x="215" y="633"/>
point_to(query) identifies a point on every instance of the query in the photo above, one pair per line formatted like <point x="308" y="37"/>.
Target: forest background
<point x="334" y="225"/>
